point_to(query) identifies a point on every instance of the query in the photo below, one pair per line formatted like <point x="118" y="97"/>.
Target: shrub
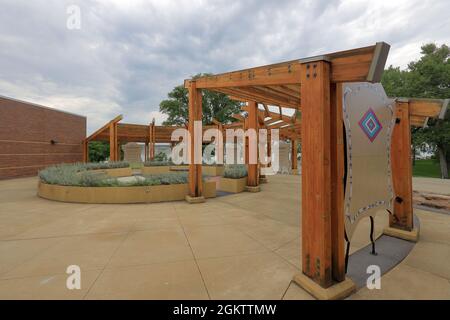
<point x="78" y="174"/>
<point x="161" y="156"/>
<point x="157" y="163"/>
<point x="104" y="165"/>
<point x="81" y="175"/>
<point x="235" y="171"/>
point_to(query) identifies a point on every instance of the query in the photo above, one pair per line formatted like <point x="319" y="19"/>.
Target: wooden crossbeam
<point x="293" y="90"/>
<point x="241" y="95"/>
<point x="238" y="116"/>
<point x="264" y="93"/>
<point x="266" y="109"/>
<point x="104" y="128"/>
<point x="362" y="64"/>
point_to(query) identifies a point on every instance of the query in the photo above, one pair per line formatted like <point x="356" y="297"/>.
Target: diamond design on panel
<point x="370" y="124"/>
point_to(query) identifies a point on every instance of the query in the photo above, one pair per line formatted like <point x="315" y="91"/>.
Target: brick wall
<point x="26" y="132"/>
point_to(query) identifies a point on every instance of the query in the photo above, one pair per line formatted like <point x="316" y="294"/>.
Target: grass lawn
<point x="427" y="168"/>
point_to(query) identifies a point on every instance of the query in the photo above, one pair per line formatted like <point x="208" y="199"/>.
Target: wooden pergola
<point x="313" y="87"/>
<point x="117" y="133"/>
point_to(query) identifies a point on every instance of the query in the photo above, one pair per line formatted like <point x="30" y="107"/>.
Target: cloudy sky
<point x="128" y="54"/>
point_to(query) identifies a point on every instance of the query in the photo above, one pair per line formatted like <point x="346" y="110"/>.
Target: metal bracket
<point x="378" y="62"/>
<point x="308" y="268"/>
<point x="317" y="267"/>
<point x="444" y="109"/>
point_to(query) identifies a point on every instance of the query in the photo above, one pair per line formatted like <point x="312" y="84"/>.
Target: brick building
<point x="33" y="137"/>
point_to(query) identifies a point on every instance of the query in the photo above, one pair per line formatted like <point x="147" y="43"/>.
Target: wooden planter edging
<point x="179" y="168"/>
<point x="233" y="185"/>
<point x="137" y="194"/>
<point x="155" y="170"/>
<point x="213" y="170"/>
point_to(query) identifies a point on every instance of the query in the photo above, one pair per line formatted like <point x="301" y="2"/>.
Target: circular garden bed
<point x="113" y="183"/>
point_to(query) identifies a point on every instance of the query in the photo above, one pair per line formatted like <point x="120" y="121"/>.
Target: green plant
<point x="98" y="151"/>
<point x="215" y="105"/>
<point x="235" y="171"/>
<point x="82" y="175"/>
<point x="104" y="165"/>
<point x="161" y="156"/>
<point x="156" y="163"/>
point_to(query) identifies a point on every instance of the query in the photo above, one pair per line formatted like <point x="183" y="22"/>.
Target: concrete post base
<point x="337" y="291"/>
<point x="253" y="188"/>
<point x="193" y="200"/>
<point x="412" y="235"/>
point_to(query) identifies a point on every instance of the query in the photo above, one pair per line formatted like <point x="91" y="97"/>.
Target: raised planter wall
<point x="137" y="194"/>
<point x="213" y="170"/>
<point x="155" y="170"/>
<point x="233" y="185"/>
<point x="179" y="168"/>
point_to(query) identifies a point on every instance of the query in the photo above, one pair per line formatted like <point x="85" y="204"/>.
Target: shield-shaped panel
<point x="369" y="119"/>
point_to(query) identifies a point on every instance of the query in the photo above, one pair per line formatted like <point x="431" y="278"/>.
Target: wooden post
<point x="294" y="155"/>
<point x="252" y="124"/>
<point x="195" y="170"/>
<point x="150" y="153"/>
<point x="112" y="142"/>
<point x="401" y="224"/>
<point x="322" y="189"/>
<point x="85" y="151"/>
<point x="220" y="146"/>
<point x="337" y="183"/>
<point x="153" y="141"/>
<point x="316" y="172"/>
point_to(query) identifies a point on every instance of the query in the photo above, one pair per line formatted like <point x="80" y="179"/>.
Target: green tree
<point x="215" y="105"/>
<point x="428" y="77"/>
<point x="98" y="151"/>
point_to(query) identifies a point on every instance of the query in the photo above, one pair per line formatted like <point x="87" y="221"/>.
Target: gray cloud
<point x="129" y="54"/>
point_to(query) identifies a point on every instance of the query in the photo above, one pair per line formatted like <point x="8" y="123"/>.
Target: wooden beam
<point x="286" y="90"/>
<point x="285" y="72"/>
<point x="85" y="151"/>
<point x="294" y="155"/>
<point x="112" y="141"/>
<point x="105" y="127"/>
<point x="238" y="116"/>
<point x="425" y="107"/>
<point x="273" y="115"/>
<point x="245" y="94"/>
<point x="266" y="110"/>
<point x="252" y="124"/>
<point x="279" y="125"/>
<point x="195" y="114"/>
<point x="261" y="92"/>
<point x="402" y="169"/>
<point x="337" y="183"/>
<point x="316" y="172"/>
<point x="362" y="64"/>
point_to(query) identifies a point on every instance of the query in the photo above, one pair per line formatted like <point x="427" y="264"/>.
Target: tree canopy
<point x="98" y="151"/>
<point x="428" y="77"/>
<point x="215" y="106"/>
